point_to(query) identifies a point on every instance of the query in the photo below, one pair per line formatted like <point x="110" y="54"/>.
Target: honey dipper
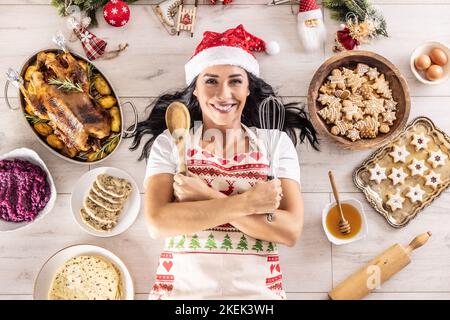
<point x="344" y="226"/>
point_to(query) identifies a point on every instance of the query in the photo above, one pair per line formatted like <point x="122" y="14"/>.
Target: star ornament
<point x="433" y="179"/>
<point x="415" y="194"/>
<point x="420" y="141"/>
<point x="437" y="158"/>
<point x="417" y="167"/>
<point x="395" y="201"/>
<point x="377" y="173"/>
<point x="398" y="176"/>
<point x="399" y="154"/>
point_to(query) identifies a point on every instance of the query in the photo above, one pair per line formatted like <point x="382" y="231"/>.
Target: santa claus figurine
<point x="311" y="28"/>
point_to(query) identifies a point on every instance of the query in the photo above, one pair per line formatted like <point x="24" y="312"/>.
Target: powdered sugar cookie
<point x="415" y="194"/>
<point x="377" y="173"/>
<point x="398" y="176"/>
<point x="437" y="158"/>
<point x="417" y="167"/>
<point x="399" y="154"/>
<point x="419" y="141"/>
<point x="433" y="179"/>
<point x="395" y="201"/>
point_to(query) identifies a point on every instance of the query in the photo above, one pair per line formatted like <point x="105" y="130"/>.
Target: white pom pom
<point x="272" y="48"/>
<point x="342" y="26"/>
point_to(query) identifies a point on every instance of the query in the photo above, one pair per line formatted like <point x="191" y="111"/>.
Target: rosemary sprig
<point x="34" y="120"/>
<point x="112" y="140"/>
<point x="66" y="84"/>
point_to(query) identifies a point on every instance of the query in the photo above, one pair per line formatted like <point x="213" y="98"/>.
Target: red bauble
<point x="116" y="13"/>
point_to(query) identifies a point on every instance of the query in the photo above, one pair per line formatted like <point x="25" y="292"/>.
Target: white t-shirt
<point x="164" y="156"/>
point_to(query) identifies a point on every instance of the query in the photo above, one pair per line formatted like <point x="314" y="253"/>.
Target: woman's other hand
<point x="191" y="188"/>
<point x="265" y="196"/>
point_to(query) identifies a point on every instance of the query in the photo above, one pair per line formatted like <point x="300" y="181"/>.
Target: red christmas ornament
<point x="116" y="13"/>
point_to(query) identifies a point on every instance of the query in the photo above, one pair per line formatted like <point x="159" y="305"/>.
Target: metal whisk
<point x="271" y="116"/>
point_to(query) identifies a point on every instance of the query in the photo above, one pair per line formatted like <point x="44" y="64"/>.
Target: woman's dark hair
<point x="155" y="124"/>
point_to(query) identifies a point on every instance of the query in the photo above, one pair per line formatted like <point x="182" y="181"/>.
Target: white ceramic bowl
<point x="425" y="48"/>
<point x="45" y="276"/>
<point x="33" y="157"/>
<point x="364" y="227"/>
<point x="129" y="212"/>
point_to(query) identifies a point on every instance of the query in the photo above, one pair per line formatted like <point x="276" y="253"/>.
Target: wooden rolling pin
<point x="380" y="269"/>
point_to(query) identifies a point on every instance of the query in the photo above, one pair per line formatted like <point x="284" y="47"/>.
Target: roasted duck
<point x="75" y="117"/>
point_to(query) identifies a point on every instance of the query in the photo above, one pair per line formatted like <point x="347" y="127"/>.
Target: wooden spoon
<point x="344" y="226"/>
<point x="178" y="121"/>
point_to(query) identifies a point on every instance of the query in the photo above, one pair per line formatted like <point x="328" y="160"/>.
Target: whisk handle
<point x="270" y="216"/>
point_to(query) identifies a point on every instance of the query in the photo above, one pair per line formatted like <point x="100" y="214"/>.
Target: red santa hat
<point x="234" y="47"/>
<point x="309" y="10"/>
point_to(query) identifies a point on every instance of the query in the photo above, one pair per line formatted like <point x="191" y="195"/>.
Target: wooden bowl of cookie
<point x="359" y="100"/>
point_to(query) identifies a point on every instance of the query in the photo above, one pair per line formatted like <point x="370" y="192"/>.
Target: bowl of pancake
<point x="105" y="201"/>
<point x="84" y="272"/>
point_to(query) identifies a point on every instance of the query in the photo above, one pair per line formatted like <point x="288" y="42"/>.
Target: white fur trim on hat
<point x="312" y="14"/>
<point x="220" y="55"/>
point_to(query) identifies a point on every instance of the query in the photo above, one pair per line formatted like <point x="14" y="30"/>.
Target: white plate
<point x="33" y="157"/>
<point x="130" y="210"/>
<point x="425" y="48"/>
<point x="45" y="276"/>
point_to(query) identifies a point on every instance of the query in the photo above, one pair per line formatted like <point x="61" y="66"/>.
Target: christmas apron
<point x="221" y="262"/>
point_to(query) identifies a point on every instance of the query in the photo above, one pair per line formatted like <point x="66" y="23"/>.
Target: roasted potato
<point x="102" y="86"/>
<point x="29" y="109"/>
<point x="107" y="102"/>
<point x="54" y="142"/>
<point x="112" y="146"/>
<point x="115" y="119"/>
<point x="43" y="129"/>
<point x="29" y="72"/>
<point x="92" y="156"/>
<point x="70" y="152"/>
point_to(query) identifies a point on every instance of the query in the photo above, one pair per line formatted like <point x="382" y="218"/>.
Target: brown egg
<point x="438" y="56"/>
<point x="434" y="72"/>
<point x="422" y="62"/>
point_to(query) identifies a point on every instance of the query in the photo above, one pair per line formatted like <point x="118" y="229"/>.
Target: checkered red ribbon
<point x="93" y="46"/>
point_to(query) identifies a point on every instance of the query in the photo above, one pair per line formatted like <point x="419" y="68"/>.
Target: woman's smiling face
<point x="222" y="92"/>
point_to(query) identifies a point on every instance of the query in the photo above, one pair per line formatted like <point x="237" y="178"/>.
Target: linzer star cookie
<point x="433" y="179"/>
<point x="417" y="167"/>
<point x="437" y="158"/>
<point x="420" y="141"/>
<point x="415" y="194"/>
<point x="398" y="176"/>
<point x="395" y="201"/>
<point x="377" y="173"/>
<point x="399" y="154"/>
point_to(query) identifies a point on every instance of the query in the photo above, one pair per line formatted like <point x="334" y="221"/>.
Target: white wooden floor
<point x="154" y="63"/>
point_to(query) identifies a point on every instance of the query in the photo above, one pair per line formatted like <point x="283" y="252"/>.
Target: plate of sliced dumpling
<point x="105" y="201"/>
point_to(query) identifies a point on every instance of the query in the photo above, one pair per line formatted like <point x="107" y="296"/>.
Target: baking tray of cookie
<point x="404" y="176"/>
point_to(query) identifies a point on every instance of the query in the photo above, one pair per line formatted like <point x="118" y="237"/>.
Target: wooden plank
<point x="24" y="252"/>
<point x="428" y="271"/>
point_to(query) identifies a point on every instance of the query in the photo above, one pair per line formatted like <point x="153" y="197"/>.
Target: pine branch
<point x="361" y="8"/>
